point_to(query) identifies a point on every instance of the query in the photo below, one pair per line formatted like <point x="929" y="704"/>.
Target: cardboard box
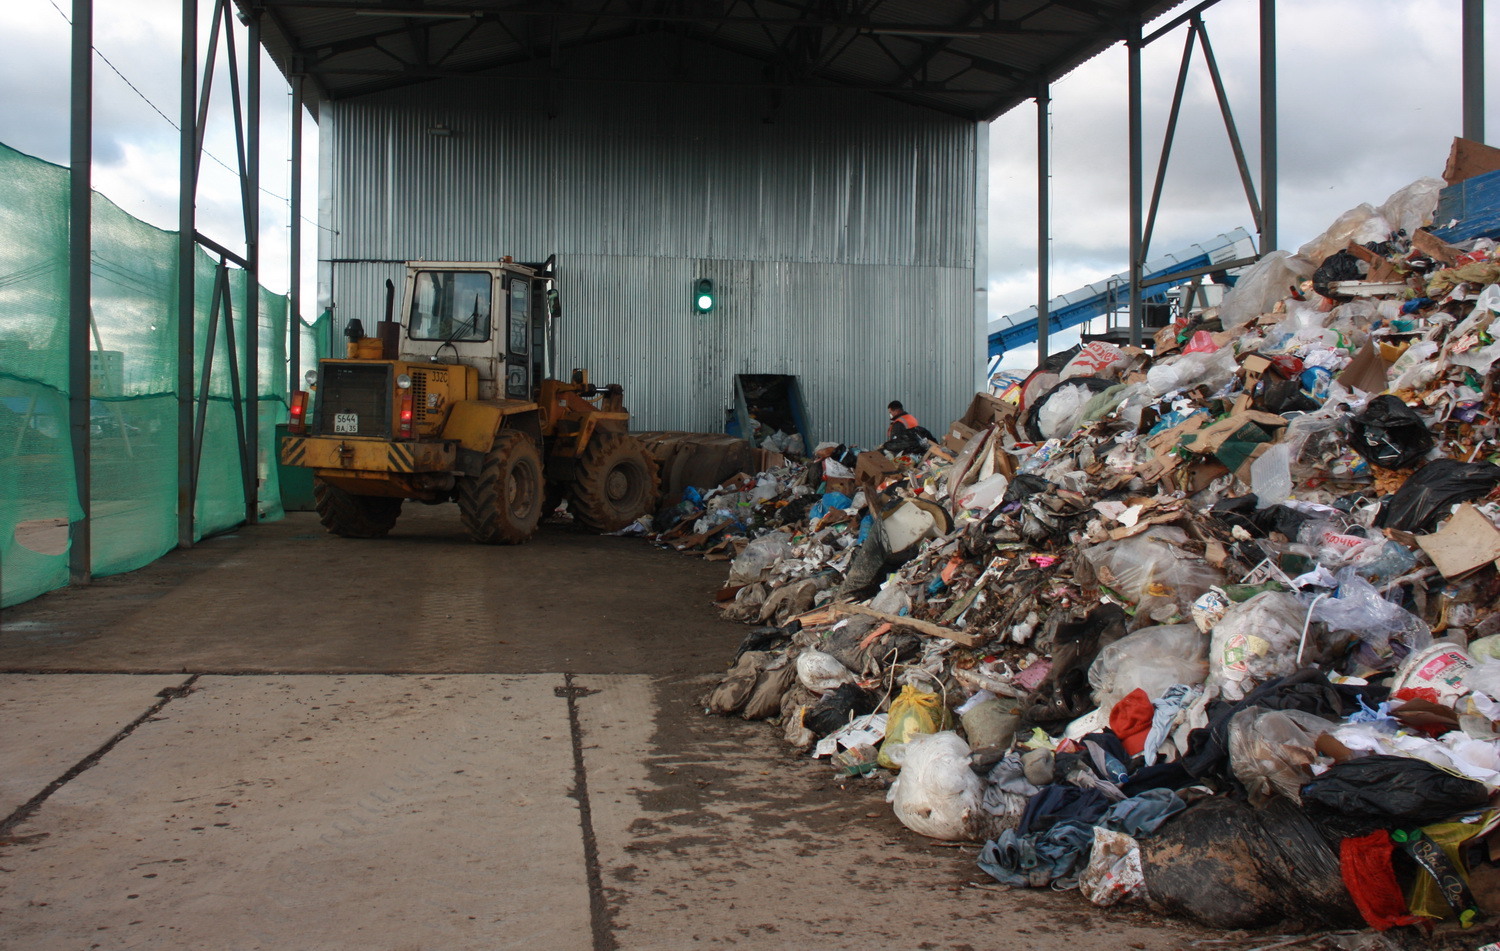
<point x="958" y="435"/>
<point x="874" y="466"/>
<point x="844" y="486"/>
<point x="986" y="410"/>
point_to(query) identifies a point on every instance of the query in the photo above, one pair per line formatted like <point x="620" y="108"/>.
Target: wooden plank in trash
<point x="921" y="627"/>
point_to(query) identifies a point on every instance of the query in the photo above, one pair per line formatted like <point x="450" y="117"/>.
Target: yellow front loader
<point x="457" y="401"/>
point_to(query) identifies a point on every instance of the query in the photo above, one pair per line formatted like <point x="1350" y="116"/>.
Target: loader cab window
<point x="450" y="305"/>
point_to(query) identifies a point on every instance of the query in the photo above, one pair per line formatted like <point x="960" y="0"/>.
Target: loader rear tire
<point x="354" y="516"/>
<point x="617" y="483"/>
<point x="503" y="504"/>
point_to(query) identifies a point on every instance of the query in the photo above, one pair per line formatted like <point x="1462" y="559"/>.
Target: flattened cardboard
<point x="873" y="465"/>
<point x="1468" y="158"/>
<point x="1367" y="371"/>
<point x="1434" y="247"/>
<point x="1467" y="541"/>
<point x="1381" y="270"/>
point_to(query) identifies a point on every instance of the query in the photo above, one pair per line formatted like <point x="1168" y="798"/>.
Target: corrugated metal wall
<point x="840" y="234"/>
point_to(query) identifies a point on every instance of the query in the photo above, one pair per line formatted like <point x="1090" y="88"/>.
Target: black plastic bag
<point x="837" y="708"/>
<point x="1390" y="791"/>
<point x="1024" y="486"/>
<point x="1426" y="497"/>
<point x="1342" y="266"/>
<point x="1228" y="865"/>
<point x="1389" y="433"/>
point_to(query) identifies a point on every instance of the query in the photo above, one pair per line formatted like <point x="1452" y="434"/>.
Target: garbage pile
<point x="1212" y="627"/>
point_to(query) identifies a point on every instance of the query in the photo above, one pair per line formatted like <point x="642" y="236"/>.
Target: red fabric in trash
<point x="1131" y="720"/>
<point x="1366" y="865"/>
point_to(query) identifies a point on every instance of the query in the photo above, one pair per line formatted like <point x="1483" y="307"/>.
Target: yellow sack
<point x="914" y="711"/>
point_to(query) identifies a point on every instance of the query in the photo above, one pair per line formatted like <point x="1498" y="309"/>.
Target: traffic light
<point x="704" y="299"/>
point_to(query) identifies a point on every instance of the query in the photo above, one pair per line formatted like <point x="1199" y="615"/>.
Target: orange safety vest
<point x="907" y="421"/>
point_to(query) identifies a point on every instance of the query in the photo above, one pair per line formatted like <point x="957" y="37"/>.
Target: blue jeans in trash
<point x="1057" y="856"/>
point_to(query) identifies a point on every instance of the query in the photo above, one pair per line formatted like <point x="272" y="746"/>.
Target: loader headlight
<point x="310" y="378"/>
<point x="403" y="381"/>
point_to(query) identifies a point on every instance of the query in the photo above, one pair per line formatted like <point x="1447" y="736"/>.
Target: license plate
<point x="346" y="422"/>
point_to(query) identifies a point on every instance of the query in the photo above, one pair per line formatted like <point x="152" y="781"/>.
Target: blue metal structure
<point x="1103" y="297"/>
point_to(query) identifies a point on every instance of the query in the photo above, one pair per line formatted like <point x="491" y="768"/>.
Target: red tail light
<point x="298" y="422"/>
<point x="406" y="414"/>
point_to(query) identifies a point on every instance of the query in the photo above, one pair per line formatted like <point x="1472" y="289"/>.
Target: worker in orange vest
<point x="900" y="419"/>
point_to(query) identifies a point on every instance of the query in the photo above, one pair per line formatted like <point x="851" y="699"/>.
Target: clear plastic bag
<point x="758" y="559"/>
<point x="1256" y="640"/>
<point x="1263" y="286"/>
<point x="1359" y="609"/>
<point x="937" y="794"/>
<point x="1114" y="872"/>
<point x="1150" y="565"/>
<point x="1152" y="659"/>
<point x="1271" y="751"/>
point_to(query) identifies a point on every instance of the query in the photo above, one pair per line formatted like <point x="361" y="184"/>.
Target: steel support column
<point x="1268" y="147"/>
<point x="186" y="247"/>
<point x="1137" y="186"/>
<point x="252" y="282"/>
<point x="80" y="283"/>
<point x="1043" y="218"/>
<point x="1473" y="57"/>
<point x="294" y="295"/>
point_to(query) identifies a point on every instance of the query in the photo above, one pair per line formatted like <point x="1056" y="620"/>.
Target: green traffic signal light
<point x="703" y="296"/>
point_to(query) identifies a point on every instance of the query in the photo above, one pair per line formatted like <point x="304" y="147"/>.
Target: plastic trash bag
<point x="1359" y="609"/>
<point x="1229" y="865"/>
<point x="937" y="794"/>
<point x="1255" y="641"/>
<point x="1271" y="751"/>
<point x="1390" y="791"/>
<point x="1130" y="567"/>
<point x="1426" y="497"/>
<point x="1152" y="659"/>
<point x="1390" y="434"/>
<point x="1264" y="285"/>
<point x="1114" y="871"/>
<point x="913" y="712"/>
<point x="1360" y="225"/>
<point x="820" y="672"/>
<point x="1413" y="206"/>
<point x="758" y="559"/>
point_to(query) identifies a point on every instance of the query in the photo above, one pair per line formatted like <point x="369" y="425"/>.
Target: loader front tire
<point x="617" y="483"/>
<point x="503" y="504"/>
<point x="354" y="516"/>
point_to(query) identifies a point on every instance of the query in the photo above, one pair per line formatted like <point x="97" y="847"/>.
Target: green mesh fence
<point x="134" y="387"/>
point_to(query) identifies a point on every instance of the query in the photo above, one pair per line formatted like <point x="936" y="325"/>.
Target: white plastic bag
<point x="1152" y="659"/>
<point x="820" y="672"/>
<point x="937" y="794"/>
<point x="1063" y="411"/>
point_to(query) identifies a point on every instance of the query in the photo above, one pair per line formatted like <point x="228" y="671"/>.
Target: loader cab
<point x="499" y="319"/>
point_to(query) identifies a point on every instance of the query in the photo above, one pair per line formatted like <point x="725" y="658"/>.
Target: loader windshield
<point x="450" y="305"/>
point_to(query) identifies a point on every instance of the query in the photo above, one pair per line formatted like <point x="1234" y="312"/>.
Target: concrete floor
<point x="284" y="740"/>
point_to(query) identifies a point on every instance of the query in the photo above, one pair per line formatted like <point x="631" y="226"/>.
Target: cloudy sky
<point x="1369" y="101"/>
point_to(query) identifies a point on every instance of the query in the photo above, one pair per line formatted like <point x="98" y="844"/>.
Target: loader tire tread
<point x="617" y="483"/>
<point x="503" y="504"/>
<point x="354" y="516"/>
